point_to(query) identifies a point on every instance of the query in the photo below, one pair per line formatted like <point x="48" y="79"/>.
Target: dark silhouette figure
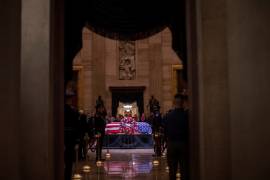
<point x="100" y="124"/>
<point x="176" y="132"/>
<point x="157" y="131"/>
<point x="83" y="129"/>
<point x="70" y="138"/>
<point x="153" y="104"/>
<point x="99" y="102"/>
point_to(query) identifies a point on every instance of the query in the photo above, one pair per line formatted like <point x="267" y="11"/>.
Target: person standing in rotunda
<point x="153" y="104"/>
<point x="71" y="135"/>
<point x="176" y="133"/>
<point x="99" y="101"/>
<point x="100" y="125"/>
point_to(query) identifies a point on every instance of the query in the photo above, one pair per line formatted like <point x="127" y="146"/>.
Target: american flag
<point x="120" y="127"/>
<point x="113" y="128"/>
<point x="144" y="128"/>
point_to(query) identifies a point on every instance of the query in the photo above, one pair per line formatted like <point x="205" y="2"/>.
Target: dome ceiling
<point x="127" y="19"/>
<point x="123" y="20"/>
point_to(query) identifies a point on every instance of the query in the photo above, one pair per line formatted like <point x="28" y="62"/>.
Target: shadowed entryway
<point x="127" y="95"/>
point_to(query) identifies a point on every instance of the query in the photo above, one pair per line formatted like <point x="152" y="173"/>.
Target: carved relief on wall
<point x="127" y="65"/>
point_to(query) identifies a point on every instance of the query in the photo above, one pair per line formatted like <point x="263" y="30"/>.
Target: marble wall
<point x="233" y="89"/>
<point x="248" y="59"/>
<point x="213" y="90"/>
<point x="98" y="65"/>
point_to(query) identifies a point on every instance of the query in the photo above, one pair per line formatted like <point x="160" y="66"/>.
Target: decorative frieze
<point x="127" y="64"/>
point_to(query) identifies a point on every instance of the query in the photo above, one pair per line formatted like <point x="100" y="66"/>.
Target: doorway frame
<point x="124" y="89"/>
<point x="193" y="88"/>
<point x="57" y="74"/>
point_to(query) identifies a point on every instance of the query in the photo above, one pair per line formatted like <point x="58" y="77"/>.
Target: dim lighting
<point x="108" y="155"/>
<point x="99" y="163"/>
<point x="163" y="155"/>
<point x="86" y="169"/>
<point x="76" y="177"/>
<point x="155" y="162"/>
<point x="98" y="135"/>
<point x="167" y="169"/>
<point x="127" y="106"/>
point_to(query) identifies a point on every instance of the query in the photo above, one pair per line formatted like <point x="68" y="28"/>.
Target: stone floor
<point x="137" y="164"/>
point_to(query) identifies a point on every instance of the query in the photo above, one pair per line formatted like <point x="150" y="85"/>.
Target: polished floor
<point x="137" y="164"/>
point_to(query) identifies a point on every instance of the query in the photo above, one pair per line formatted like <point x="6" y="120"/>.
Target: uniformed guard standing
<point x="157" y="131"/>
<point x="100" y="124"/>
<point x="176" y="132"/>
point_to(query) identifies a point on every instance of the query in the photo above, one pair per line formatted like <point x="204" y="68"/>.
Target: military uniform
<point x="176" y="132"/>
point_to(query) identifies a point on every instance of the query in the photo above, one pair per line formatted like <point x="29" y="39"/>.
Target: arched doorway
<point x="190" y="46"/>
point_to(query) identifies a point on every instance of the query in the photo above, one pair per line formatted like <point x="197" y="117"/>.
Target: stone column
<point x="86" y="55"/>
<point x="37" y="123"/>
<point x="155" y="66"/>
<point x="98" y="59"/>
<point x="249" y="82"/>
<point x="142" y="59"/>
<point x="10" y="42"/>
<point x="167" y="63"/>
<point x="111" y="69"/>
<point x="214" y="112"/>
